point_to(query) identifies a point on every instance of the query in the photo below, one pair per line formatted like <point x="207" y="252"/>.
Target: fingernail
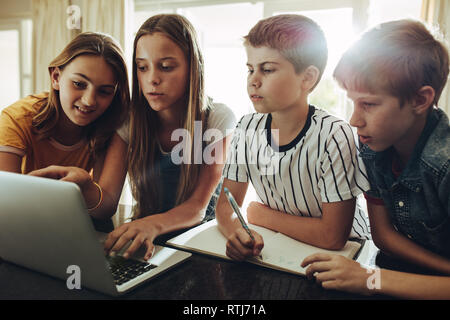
<point x="112" y="254"/>
<point x="126" y="255"/>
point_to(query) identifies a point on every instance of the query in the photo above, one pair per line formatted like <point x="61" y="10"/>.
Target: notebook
<point x="44" y="226"/>
<point x="280" y="252"/>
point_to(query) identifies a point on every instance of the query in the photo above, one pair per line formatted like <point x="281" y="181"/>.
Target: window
<point x="220" y="30"/>
<point x="15" y="60"/>
<point x="338" y="29"/>
<point x="9" y="64"/>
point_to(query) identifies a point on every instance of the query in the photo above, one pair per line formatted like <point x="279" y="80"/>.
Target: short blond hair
<point x="396" y="57"/>
<point x="298" y="38"/>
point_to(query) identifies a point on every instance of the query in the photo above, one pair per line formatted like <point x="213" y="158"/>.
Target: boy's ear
<point x="424" y="100"/>
<point x="310" y="76"/>
<point x="55" y="73"/>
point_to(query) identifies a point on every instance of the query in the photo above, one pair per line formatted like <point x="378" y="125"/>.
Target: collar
<point x="294" y="142"/>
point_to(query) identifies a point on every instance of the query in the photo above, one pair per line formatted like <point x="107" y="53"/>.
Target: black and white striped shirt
<point x="320" y="165"/>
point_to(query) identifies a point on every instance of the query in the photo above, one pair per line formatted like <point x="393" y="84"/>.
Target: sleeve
<point x="235" y="168"/>
<point x="344" y="174"/>
<point x="372" y="195"/>
<point x="222" y="119"/>
<point x="123" y="131"/>
<point x="13" y="134"/>
<point x="373" y="200"/>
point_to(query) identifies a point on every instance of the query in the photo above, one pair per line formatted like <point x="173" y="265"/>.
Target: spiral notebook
<point x="280" y="252"/>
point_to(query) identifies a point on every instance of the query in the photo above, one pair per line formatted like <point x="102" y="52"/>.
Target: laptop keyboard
<point x="124" y="270"/>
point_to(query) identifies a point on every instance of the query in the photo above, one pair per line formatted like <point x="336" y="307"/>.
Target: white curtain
<point x="56" y="22"/>
<point x="50" y="36"/>
<point x="437" y="13"/>
<point x="107" y="16"/>
<point x="113" y="17"/>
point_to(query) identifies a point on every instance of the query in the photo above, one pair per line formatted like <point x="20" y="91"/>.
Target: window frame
<point x="20" y="25"/>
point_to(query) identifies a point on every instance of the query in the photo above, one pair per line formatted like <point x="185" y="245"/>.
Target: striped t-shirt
<point x="320" y="165"/>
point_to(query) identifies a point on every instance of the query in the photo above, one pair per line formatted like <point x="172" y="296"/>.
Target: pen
<point x="235" y="207"/>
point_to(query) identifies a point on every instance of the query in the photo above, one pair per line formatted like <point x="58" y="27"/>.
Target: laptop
<point x="44" y="226"/>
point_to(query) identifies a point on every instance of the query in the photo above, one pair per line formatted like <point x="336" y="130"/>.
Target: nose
<point x="89" y="97"/>
<point x="357" y="120"/>
<point x="154" y="77"/>
<point x="254" y="80"/>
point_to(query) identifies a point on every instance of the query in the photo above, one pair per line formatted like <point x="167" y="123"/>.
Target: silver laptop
<point x="44" y="226"/>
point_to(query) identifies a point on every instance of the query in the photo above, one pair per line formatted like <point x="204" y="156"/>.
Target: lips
<point x="84" y="110"/>
<point x="154" y="95"/>
<point x="255" y="97"/>
<point x="365" y="139"/>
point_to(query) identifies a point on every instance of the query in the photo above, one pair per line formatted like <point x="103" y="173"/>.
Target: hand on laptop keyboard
<point x="124" y="270"/>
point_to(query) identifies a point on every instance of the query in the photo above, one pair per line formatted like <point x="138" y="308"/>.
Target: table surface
<point x="198" y="278"/>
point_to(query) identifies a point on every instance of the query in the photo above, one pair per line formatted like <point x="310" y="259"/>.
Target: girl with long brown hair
<point x="171" y="181"/>
<point x="166" y="144"/>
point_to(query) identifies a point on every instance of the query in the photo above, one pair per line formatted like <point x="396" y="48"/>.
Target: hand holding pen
<point x="244" y="243"/>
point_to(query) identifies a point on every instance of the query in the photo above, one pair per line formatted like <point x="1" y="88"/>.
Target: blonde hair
<point x="101" y="130"/>
<point x="396" y="57"/>
<point x="143" y="144"/>
<point x="298" y="38"/>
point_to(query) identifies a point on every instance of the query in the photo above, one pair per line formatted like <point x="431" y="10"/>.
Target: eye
<point x="165" y="67"/>
<point x="106" y="92"/>
<point x="142" y="68"/>
<point x="268" y="70"/>
<point x="250" y="71"/>
<point x="368" y="104"/>
<point x="79" y="84"/>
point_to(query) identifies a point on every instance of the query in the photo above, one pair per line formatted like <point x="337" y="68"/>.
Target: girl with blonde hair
<point x="73" y="124"/>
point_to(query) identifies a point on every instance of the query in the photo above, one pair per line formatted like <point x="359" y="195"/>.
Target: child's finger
<point x="150" y="249"/>
<point x="258" y="244"/>
<point x="321" y="266"/>
<point x="135" y="245"/>
<point x="244" y="238"/>
<point x="53" y="172"/>
<point x="234" y="254"/>
<point x="237" y="249"/>
<point x="113" y="237"/>
<point x="315" y="257"/>
<point x="325" y="276"/>
<point x="122" y="241"/>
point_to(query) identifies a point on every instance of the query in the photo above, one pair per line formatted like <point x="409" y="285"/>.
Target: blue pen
<point x="235" y="207"/>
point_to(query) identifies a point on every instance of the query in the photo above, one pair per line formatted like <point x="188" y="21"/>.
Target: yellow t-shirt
<point x="17" y="136"/>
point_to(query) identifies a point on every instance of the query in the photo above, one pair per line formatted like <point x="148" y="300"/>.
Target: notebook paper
<point x="280" y="251"/>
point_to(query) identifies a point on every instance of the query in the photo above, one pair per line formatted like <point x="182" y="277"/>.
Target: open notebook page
<point x="280" y="252"/>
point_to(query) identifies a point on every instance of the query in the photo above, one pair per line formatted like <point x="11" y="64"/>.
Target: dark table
<point x="201" y="277"/>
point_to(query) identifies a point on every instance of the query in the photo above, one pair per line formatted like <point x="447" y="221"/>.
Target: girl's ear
<point x="310" y="76"/>
<point x="424" y="100"/>
<point x="55" y="74"/>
